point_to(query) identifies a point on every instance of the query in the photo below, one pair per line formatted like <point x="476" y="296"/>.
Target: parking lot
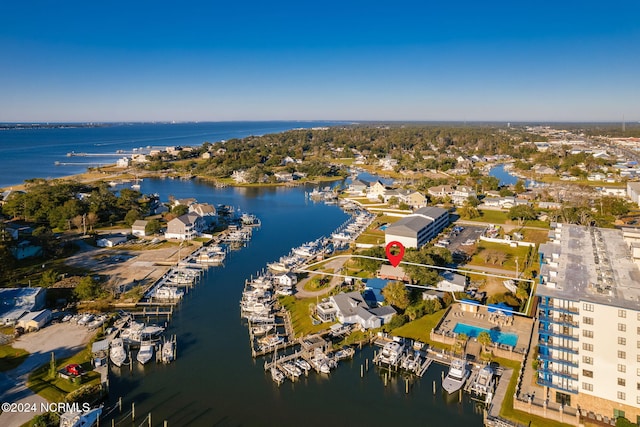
<point x="460" y="237"/>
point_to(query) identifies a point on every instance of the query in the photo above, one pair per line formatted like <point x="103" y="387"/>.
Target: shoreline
<point x="94" y="176"/>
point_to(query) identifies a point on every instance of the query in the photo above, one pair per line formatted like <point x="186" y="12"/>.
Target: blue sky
<point x="333" y="60"/>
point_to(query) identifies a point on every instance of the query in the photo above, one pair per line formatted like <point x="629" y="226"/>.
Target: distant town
<point x="521" y="272"/>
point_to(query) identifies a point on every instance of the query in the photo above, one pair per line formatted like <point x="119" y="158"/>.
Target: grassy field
<point x="11" y="358"/>
<point x="56" y="389"/>
<point x="300" y="312"/>
<point x="420" y="329"/>
<point x="511" y="254"/>
<point x="500" y="217"/>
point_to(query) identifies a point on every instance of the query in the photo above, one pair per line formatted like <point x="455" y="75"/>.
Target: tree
<point x="396" y="294"/>
<point x="485" y="340"/>
<point x="179" y="210"/>
<point x="522" y="213"/>
<point x="132" y="216"/>
<point x="371" y="265"/>
<point x="153" y="227"/>
<point x="87" y="289"/>
<point x="519" y="188"/>
<point x="48" y="278"/>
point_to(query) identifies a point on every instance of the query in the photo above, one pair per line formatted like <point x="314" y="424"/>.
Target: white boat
<point x="291" y="369"/>
<point x="303" y="364"/>
<point x="259" y="330"/>
<point x="167" y="352"/>
<point x="270" y="341"/>
<point x="81" y="418"/>
<point x="483" y="384"/>
<point x="138" y="332"/>
<point x="117" y="353"/>
<point x="96" y="322"/>
<point x="341" y="236"/>
<point x="391" y="353"/>
<point x="168" y="293"/>
<point x="146" y="353"/>
<point x="277" y="375"/>
<point x="411" y="362"/>
<point x="85" y="319"/>
<point x="458" y="373"/>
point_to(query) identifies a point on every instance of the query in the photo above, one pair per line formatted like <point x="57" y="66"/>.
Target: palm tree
<point x="485" y="340"/>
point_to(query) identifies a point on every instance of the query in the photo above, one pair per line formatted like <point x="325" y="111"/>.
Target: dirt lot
<point x="123" y="266"/>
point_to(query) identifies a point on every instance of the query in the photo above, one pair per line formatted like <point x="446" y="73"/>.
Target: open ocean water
<point x="27" y="153"/>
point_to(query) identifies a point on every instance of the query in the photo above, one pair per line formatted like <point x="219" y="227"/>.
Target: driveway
<point x="63" y="339"/>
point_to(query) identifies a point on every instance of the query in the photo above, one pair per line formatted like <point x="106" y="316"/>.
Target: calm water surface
<point x="215" y="381"/>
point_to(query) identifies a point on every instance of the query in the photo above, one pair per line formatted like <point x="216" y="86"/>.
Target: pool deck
<point x="519" y="325"/>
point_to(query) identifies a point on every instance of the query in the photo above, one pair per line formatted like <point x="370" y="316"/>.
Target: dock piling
<point x="361" y="371"/>
<point x="133" y="411"/>
<point x="434" y="388"/>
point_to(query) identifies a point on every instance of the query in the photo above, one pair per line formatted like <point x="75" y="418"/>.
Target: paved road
<point x="63" y="339"/>
<point x="336" y="265"/>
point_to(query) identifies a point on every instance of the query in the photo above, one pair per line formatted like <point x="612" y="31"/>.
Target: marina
<point x="215" y="294"/>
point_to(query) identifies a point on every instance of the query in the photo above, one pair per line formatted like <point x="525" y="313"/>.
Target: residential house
<point x="287" y="280"/>
<point x="123" y="162"/>
<point x="185" y="227"/>
<point x="184" y="202"/>
<point x="357" y="187"/>
<point x="388" y="163"/>
<point x="240" y="177"/>
<point x="414" y="199"/>
<point x="376" y="190"/>
<point x="440" y="191"/>
<point x="390" y="272"/>
<point x="139" y="228"/>
<point x="351" y="308"/>
<point x="418" y="228"/>
<point x="462" y="193"/>
<point x="283" y="176"/>
<point x="452" y="282"/>
<point x="207" y="212"/>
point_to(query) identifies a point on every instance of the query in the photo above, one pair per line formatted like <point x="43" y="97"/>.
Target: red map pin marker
<point x="394" y="259"/>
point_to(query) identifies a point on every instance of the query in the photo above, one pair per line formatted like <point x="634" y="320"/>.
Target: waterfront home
<point x="376" y="190"/>
<point x="139" y="228"/>
<point x="184" y="202"/>
<point x="418" y="228"/>
<point x="283" y="176"/>
<point x="287" y="280"/>
<point x="206" y="211"/>
<point x="185" y="227"/>
<point x="351" y="308"/>
<point x="123" y="162"/>
<point x="357" y="187"/>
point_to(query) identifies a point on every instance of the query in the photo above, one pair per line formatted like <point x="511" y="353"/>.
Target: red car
<point x="74" y="369"/>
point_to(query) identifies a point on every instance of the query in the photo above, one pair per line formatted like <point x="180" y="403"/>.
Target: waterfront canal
<point x="215" y="381"/>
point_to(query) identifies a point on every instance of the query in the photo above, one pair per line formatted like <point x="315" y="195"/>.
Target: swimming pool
<point x="496" y="336"/>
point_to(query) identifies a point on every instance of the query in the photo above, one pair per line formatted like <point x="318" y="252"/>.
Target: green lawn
<point x="507" y="411"/>
<point x="56" y="389"/>
<point x="11" y="358"/>
<point x="299" y="309"/>
<point x="500" y="217"/>
<point x="511" y="254"/>
<point x="420" y="329"/>
<point x="374" y="238"/>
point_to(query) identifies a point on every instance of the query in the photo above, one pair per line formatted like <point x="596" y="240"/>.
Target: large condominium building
<point x="418" y="228"/>
<point x="589" y="319"/>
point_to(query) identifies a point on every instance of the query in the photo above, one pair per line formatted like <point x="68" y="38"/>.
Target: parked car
<point x="74" y="369"/>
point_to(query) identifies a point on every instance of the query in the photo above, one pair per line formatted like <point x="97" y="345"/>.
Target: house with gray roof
<point x="352" y="308"/>
<point x="418" y="228"/>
